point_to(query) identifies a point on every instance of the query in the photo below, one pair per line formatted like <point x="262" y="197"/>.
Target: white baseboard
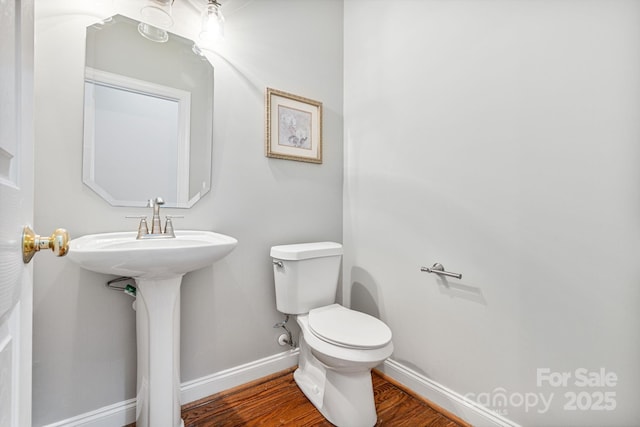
<point x="123" y="413"/>
<point x="224" y="380"/>
<point x="453" y="402"/>
<point x="118" y="414"/>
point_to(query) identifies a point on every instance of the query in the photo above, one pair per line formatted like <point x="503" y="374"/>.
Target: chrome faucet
<point x="156" y="223"/>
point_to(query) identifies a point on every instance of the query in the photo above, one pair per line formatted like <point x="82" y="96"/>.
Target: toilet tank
<point x="308" y="277"/>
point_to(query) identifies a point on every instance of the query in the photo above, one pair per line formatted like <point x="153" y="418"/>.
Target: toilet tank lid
<point x="306" y="250"/>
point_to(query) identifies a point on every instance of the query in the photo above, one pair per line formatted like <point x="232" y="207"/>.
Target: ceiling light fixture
<point x="157" y="13"/>
<point x="212" y="22"/>
<point x="152" y="33"/>
<point x="156" y="18"/>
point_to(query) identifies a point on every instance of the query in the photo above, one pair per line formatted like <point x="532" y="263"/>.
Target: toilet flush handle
<point x="278" y="263"/>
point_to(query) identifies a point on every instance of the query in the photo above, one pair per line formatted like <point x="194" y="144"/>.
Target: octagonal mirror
<point x="148" y="120"/>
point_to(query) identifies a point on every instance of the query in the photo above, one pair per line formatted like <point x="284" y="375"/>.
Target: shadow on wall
<point x="365" y="298"/>
<point x="364" y="292"/>
<point x="460" y="290"/>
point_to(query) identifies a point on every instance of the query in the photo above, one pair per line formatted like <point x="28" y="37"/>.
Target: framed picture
<point x="294" y="127"/>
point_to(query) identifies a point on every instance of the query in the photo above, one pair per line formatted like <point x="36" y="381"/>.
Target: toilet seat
<point x="343" y="327"/>
<point x="333" y="355"/>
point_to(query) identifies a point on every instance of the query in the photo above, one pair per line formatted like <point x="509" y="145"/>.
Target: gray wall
<point x="497" y="137"/>
<point x="500" y="138"/>
<point x="84" y="334"/>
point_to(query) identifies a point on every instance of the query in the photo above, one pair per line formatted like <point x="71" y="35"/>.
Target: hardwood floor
<point x="277" y="401"/>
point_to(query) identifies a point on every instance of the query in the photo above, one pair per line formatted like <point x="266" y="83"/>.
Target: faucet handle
<point x="168" y="228"/>
<point x="143" y="228"/>
<point x="168" y="225"/>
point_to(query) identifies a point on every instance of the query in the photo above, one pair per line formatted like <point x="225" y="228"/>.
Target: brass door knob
<point x="58" y="242"/>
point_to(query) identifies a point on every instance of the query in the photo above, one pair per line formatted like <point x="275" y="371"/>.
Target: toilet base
<point x="344" y="398"/>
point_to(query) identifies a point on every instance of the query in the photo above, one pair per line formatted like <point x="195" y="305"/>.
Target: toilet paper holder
<point x="438" y="268"/>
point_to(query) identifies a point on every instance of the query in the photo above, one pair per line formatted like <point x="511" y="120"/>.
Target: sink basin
<point x="122" y="254"/>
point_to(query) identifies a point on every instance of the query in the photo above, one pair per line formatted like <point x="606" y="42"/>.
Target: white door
<point x="16" y="209"/>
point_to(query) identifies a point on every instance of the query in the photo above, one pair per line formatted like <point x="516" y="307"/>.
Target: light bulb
<point x="212" y="22"/>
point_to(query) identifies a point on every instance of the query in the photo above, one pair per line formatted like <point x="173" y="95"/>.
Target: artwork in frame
<point x="293" y="128"/>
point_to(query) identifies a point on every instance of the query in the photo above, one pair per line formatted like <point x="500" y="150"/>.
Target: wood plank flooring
<point x="277" y="401"/>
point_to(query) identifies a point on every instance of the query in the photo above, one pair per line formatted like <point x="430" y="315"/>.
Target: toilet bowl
<point x="336" y="377"/>
<point x="338" y="346"/>
<point x="340" y="337"/>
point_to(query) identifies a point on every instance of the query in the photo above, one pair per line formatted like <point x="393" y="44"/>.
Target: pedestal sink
<point x="157" y="266"/>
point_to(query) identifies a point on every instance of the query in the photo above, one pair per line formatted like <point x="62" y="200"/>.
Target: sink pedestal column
<point x="158" y="340"/>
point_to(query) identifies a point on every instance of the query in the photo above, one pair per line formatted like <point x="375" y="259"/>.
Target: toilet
<point x="338" y="346"/>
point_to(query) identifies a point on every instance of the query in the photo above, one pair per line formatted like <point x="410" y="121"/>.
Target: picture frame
<point x="293" y="127"/>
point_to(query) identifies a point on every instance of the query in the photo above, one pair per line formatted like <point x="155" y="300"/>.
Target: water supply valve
<point x="287" y="337"/>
